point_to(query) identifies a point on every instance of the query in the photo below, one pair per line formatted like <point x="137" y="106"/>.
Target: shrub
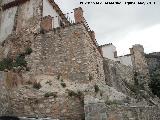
<point x="28" y="51"/>
<point x="37" y="85"/>
<point x="20" y="61"/>
<point x="90" y="77"/>
<point x="71" y="93"/>
<point x="74" y="94"/>
<point x="63" y="84"/>
<point x="6" y="63"/>
<point x="29" y="82"/>
<point x="49" y="82"/>
<point x="155" y="83"/>
<point x="58" y="76"/>
<point x="48" y="94"/>
<point x="96" y="88"/>
<point x="113" y="102"/>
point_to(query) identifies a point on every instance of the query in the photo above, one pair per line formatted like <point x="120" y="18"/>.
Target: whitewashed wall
<point x="125" y="60"/>
<point x="48" y="10"/>
<point x="7" y="22"/>
<point x="6" y="1"/>
<point x="26" y="12"/>
<point x="108" y="51"/>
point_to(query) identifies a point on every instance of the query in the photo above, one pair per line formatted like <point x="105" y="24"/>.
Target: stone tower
<point x="140" y="64"/>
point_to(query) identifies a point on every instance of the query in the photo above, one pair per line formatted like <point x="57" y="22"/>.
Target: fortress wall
<point x="4" y="95"/>
<point x="60" y="52"/>
<point x="30" y="102"/>
<point x="118" y="76"/>
<point x="133" y="112"/>
<point x="118" y="112"/>
<point x="68" y="52"/>
<point x="94" y="61"/>
<point x="140" y="65"/>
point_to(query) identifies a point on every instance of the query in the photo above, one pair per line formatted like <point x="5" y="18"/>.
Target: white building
<point x="18" y="14"/>
<point x="109" y="51"/>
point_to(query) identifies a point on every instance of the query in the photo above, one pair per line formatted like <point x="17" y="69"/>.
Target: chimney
<point x="78" y="15"/>
<point x="46" y="23"/>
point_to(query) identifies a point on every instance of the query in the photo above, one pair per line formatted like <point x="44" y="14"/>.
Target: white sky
<point x="121" y="25"/>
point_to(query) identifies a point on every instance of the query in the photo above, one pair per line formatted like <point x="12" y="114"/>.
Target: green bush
<point x="29" y="82"/>
<point x="59" y="76"/>
<point x="113" y="102"/>
<point x="90" y="77"/>
<point x="63" y="84"/>
<point x="37" y="85"/>
<point x="20" y="61"/>
<point x="28" y="51"/>
<point x="155" y="83"/>
<point x="96" y="88"/>
<point x="75" y="94"/>
<point x="6" y="63"/>
<point x="48" y="94"/>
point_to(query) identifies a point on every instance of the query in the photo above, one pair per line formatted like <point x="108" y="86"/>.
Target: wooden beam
<point x="13" y="4"/>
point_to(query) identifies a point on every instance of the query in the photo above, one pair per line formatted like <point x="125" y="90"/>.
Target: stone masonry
<point x="118" y="76"/>
<point x="68" y="52"/>
<point x="75" y="81"/>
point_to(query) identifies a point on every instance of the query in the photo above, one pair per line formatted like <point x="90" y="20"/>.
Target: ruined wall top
<point x="138" y="47"/>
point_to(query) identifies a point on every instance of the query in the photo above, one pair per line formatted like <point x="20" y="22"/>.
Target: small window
<point x="61" y="24"/>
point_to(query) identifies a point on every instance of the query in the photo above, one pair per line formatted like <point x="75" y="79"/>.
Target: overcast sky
<point x="121" y="25"/>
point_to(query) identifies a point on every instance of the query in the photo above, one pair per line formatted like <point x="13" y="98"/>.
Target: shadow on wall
<point x="9" y="118"/>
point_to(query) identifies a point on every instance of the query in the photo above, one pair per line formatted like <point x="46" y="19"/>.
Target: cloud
<point x="121" y="23"/>
<point x="148" y="37"/>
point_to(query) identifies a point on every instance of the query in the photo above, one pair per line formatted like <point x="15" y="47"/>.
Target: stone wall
<point x="118" y="76"/>
<point x="133" y="113"/>
<point x="68" y="52"/>
<point x="30" y="102"/>
<point x="114" y="111"/>
<point x="140" y="65"/>
<point x="4" y="95"/>
<point x="95" y="111"/>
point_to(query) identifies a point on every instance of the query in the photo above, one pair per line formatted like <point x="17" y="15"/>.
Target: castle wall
<point x="140" y="65"/>
<point x="118" y="76"/>
<point x="68" y="52"/>
<point x="4" y="95"/>
<point x="32" y="103"/>
<point x="133" y="112"/>
<point x="117" y="112"/>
